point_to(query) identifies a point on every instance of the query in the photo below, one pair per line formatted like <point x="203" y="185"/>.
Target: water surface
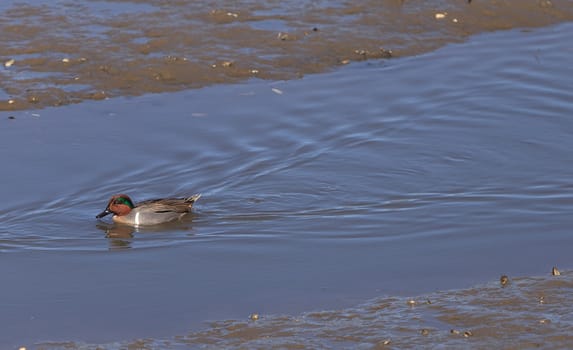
<point x="385" y="178"/>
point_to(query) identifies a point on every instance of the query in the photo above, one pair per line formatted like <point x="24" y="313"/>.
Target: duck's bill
<point x="102" y="214"/>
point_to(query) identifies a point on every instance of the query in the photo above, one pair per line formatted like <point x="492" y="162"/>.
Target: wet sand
<point x="68" y="51"/>
<point x="526" y="313"/>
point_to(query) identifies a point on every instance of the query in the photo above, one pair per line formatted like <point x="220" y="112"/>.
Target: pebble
<point x="254" y="317"/>
<point x="441" y="15"/>
<point x="386" y="53"/>
<point x="425" y="331"/>
<point x="9" y="63"/>
<point x="503" y="280"/>
<point x="555" y="272"/>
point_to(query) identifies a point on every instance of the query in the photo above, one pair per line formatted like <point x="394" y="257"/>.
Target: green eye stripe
<point x="124" y="201"/>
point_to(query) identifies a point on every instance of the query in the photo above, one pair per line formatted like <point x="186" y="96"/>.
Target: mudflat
<point x="70" y="51"/>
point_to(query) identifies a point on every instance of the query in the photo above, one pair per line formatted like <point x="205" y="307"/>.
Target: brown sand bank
<point x="72" y="51"/>
<point x="525" y="313"/>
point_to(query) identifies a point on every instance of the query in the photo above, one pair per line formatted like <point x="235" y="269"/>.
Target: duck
<point x="149" y="212"/>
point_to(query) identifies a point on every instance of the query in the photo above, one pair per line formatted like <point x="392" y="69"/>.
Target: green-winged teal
<point x="149" y="212"/>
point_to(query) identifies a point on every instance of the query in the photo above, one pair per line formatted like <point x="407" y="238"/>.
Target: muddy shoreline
<point x="523" y="313"/>
<point x="58" y="54"/>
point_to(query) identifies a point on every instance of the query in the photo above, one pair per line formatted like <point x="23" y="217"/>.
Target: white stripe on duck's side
<point x="137" y="218"/>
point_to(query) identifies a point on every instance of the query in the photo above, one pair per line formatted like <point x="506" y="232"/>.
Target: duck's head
<point x="120" y="205"/>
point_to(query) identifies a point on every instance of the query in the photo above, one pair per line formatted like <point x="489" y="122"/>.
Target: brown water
<point x="418" y="176"/>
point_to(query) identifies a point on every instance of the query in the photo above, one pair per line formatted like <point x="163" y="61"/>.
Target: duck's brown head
<point x="120" y="205"/>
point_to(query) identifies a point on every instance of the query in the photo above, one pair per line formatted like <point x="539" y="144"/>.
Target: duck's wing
<point x="165" y="205"/>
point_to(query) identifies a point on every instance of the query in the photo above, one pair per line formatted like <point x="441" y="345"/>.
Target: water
<point x="391" y="178"/>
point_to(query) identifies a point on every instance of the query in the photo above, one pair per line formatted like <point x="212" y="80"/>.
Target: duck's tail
<point x="194" y="198"/>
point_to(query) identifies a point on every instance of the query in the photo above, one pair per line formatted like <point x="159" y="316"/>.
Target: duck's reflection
<point x="119" y="236"/>
<point x="122" y="236"/>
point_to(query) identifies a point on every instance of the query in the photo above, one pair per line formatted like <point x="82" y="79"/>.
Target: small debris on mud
<point x="385" y="53"/>
<point x="283" y="36"/>
<point x="503" y="280"/>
